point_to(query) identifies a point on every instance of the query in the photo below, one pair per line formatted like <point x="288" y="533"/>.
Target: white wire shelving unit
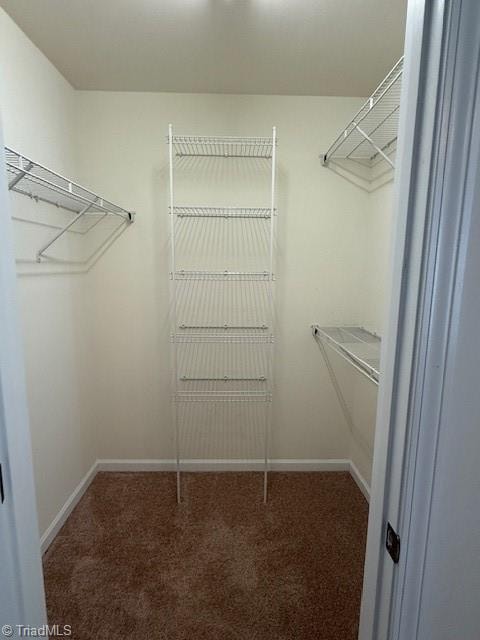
<point x="37" y="182"/>
<point x="222" y="330"/>
<point x="370" y="136"/>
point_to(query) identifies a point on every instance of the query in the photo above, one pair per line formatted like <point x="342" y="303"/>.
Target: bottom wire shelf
<point x="222" y="396"/>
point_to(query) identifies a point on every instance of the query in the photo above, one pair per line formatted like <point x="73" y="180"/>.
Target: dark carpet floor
<point x="130" y="563"/>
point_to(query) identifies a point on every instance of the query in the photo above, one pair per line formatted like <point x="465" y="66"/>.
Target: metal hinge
<point x="392" y="542"/>
<point x="2" y="493"/>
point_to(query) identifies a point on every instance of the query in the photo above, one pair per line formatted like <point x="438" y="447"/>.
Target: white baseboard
<point x="286" y="464"/>
<point x="224" y="465"/>
<point x="362" y="484"/>
<point x="61" y="517"/>
<point x="135" y="465"/>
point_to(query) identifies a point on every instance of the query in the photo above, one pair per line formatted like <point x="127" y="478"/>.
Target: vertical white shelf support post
<point x="269" y="411"/>
<point x="174" y="311"/>
<point x="231" y="376"/>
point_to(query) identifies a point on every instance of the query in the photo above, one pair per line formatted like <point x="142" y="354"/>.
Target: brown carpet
<point x="130" y="563"/>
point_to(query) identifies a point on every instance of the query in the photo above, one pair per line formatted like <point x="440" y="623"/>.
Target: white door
<point x="9" y="609"/>
<point x="22" y="598"/>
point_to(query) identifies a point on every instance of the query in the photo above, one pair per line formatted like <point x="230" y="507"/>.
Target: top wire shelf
<point x="223" y="146"/>
<point x="222" y="212"/>
<point x="373" y="130"/>
<point x="36" y="181"/>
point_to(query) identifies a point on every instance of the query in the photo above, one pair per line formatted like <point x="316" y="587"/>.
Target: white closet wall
<point x="321" y="238"/>
<point x="359" y="392"/>
<point x="97" y="343"/>
<point x="37" y="107"/>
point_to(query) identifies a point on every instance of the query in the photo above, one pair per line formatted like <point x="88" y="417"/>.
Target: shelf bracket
<point x="64" y="229"/>
<point x="341" y="399"/>
<point x="19" y="176"/>
<point x="376" y="147"/>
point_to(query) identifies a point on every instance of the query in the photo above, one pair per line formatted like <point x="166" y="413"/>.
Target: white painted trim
<point x="436" y="519"/>
<point x="224" y="465"/>
<point x="135" y="465"/>
<point x="417" y="124"/>
<point x="362" y="484"/>
<point x="21" y="580"/>
<point x="287" y="464"/>
<point x="61" y="517"/>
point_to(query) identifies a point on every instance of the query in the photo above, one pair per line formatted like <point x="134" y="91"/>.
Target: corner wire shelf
<point x="223" y="147"/>
<point x="34" y="180"/>
<point x="373" y="130"/>
<point x="194" y="383"/>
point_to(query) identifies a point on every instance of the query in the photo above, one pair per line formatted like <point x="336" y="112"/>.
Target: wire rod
<point x="62" y="231"/>
<point x="224" y="379"/>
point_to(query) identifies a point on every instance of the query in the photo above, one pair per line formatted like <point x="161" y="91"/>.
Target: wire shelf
<point x="223" y="275"/>
<point x="223" y="365"/>
<point x="224" y="379"/>
<point x="223" y="327"/>
<point x="229" y="338"/>
<point x="222" y="396"/>
<point x="356" y="345"/>
<point x="372" y="131"/>
<point x="223" y="212"/>
<point x="32" y="179"/>
<point x="222" y="146"/>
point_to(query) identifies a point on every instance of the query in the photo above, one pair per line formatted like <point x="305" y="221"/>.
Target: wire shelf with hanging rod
<point x="370" y="137"/>
<point x="32" y="179"/>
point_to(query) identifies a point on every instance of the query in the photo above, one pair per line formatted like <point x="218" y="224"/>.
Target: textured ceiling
<point x="294" y="47"/>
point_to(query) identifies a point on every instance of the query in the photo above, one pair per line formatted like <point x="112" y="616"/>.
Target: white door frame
<point x="22" y="599"/>
<point x="432" y="183"/>
<point x="436" y="592"/>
